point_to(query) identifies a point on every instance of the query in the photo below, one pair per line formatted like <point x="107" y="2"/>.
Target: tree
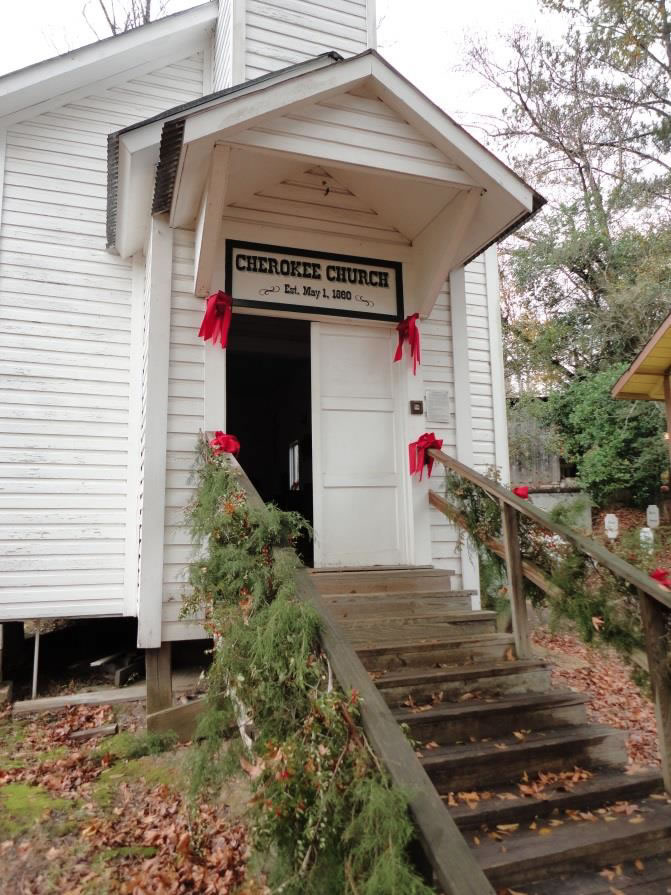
<point x="122" y="15"/>
<point x="587" y="282"/>
<point x="617" y="446"/>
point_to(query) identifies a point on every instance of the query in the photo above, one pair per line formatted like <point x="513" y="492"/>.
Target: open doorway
<point x="268" y="408"/>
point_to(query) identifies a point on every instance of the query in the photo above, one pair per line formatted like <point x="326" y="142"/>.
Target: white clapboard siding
<point x="437" y="365"/>
<point x="282" y="32"/>
<point x="185" y="421"/>
<point x="314" y="201"/>
<point x="362" y="130"/>
<point x="480" y="366"/>
<point x="65" y="368"/>
<point x="222" y="61"/>
<point x="438" y="370"/>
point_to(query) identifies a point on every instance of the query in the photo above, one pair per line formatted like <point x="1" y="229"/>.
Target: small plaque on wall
<point x="439" y="406"/>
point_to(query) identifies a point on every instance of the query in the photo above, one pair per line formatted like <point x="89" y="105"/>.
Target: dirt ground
<point x="112" y="815"/>
<point x="614" y="697"/>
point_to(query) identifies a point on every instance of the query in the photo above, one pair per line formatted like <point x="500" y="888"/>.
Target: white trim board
<point x="55" y="78"/>
<point x="134" y="438"/>
<point x="499" y="400"/>
<point x="159" y="261"/>
<point x="470" y="575"/>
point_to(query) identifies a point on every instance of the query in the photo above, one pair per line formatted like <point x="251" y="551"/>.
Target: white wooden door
<point x="358" y="514"/>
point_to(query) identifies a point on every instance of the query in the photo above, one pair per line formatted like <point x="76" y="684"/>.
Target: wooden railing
<point x="654" y="600"/>
<point x="453" y="863"/>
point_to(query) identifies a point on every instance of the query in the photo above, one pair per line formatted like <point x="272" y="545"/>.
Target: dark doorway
<point x="268" y="408"/>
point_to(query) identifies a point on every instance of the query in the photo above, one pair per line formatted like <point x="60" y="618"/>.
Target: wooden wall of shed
<point x="65" y="372"/>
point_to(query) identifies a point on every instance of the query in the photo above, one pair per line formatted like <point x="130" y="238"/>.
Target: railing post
<point x="654" y="617"/>
<point x="518" y="605"/>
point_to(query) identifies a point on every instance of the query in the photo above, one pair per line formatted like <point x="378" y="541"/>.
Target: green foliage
<point x="322" y="805"/>
<point x="617" y="446"/>
<point x="602" y="607"/>
<point x="127" y="745"/>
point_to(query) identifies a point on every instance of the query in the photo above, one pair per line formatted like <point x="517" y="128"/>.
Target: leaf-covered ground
<point x="101" y="817"/>
<point x="614" y="697"/>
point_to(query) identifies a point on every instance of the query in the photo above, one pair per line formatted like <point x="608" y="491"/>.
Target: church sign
<point x="281" y="279"/>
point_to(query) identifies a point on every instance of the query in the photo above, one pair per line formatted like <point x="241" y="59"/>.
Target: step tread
<point x="358" y="570"/>
<point x="380" y="595"/>
<point x="468" y="615"/>
<point x="551" y="699"/>
<point x="472" y="670"/>
<point x="573" y="840"/>
<point x="456" y="640"/>
<point x="600" y="789"/>
<point x="536" y="740"/>
<point x="653" y="879"/>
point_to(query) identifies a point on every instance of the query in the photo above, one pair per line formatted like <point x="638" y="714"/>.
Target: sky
<point x="424" y="39"/>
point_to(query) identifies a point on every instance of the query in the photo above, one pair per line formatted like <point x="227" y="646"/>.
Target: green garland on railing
<point x="323" y="808"/>
<point x="603" y="608"/>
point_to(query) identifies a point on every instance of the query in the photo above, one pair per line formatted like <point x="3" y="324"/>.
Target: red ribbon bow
<point x="662" y="576"/>
<point x="418" y="453"/>
<point x="522" y="491"/>
<point x="224" y="444"/>
<point x="217" y="319"/>
<point x="409" y="330"/>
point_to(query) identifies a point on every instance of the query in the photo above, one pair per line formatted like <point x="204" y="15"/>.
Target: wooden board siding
<point x="352" y="128"/>
<point x="65" y="369"/>
<point x="314" y="200"/>
<point x="438" y="368"/>
<point x="480" y="366"/>
<point x="222" y="67"/>
<point x="185" y="420"/>
<point x="282" y="32"/>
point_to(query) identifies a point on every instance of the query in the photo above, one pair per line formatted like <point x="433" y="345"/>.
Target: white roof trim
<point x="54" y="77"/>
<point x="237" y="111"/>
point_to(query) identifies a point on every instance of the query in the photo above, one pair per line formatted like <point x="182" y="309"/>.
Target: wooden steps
<point x="477" y="718"/>
<point x="385" y="580"/>
<point x="506" y="759"/>
<point x="487" y="724"/>
<point x="651" y="876"/>
<point x="532" y="855"/>
<point x="414" y="603"/>
<point x="431" y="653"/>
<point x="485" y="678"/>
<point x="384" y="629"/>
<point x="498" y="806"/>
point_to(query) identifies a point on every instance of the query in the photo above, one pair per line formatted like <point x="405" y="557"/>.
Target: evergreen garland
<point x="603" y="608"/>
<point x="323" y="808"/>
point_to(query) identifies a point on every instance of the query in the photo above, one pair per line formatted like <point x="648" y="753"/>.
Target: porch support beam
<point x="436" y="249"/>
<point x="208" y="225"/>
<point x="159" y="286"/>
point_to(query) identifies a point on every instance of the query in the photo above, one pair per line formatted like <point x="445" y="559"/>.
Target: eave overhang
<point x="450" y="208"/>
<point x="29" y="88"/>
<point x="644" y="380"/>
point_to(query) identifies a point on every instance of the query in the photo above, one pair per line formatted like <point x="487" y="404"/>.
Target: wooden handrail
<point x="451" y="858"/>
<point x="654" y="600"/>
<point x="597" y="551"/>
<point x="531" y="571"/>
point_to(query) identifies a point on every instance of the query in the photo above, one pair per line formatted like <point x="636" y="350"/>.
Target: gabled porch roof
<point x="348" y="143"/>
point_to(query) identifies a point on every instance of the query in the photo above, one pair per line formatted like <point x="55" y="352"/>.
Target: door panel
<point x="358" y="496"/>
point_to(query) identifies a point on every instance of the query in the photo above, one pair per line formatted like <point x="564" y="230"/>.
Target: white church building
<point x="263" y="148"/>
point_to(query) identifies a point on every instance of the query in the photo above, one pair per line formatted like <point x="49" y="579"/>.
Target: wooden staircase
<point x="540" y="794"/>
